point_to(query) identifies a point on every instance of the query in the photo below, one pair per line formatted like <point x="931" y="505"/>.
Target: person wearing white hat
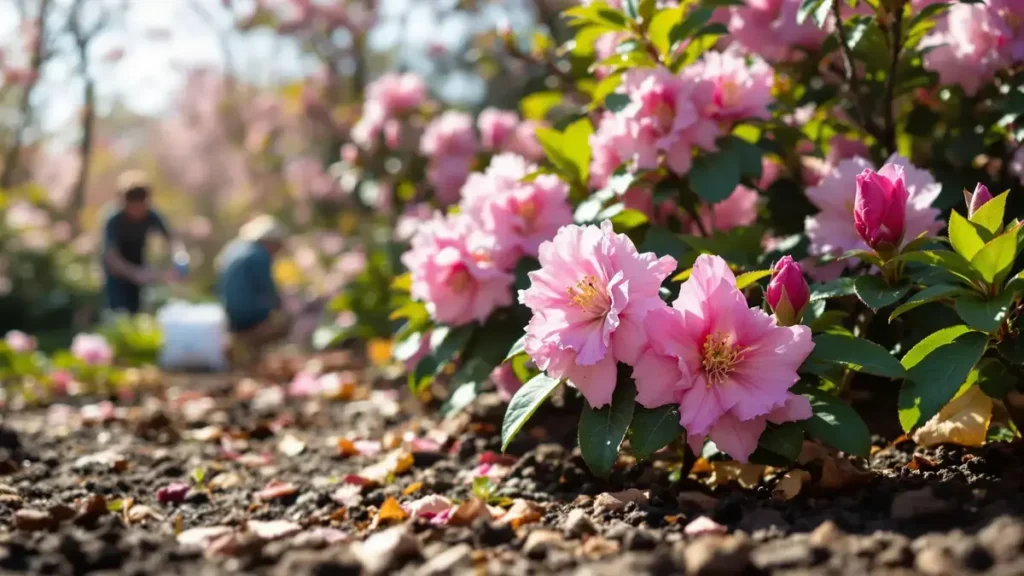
<point x="247" y="289"/>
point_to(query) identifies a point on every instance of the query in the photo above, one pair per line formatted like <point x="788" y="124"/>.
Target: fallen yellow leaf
<point x="379" y="351"/>
<point x="746" y="475"/>
<point x="522" y="512"/>
<point x="413" y="488"/>
<point x="791" y="484"/>
<point x="346" y="447"/>
<point x="963" y="421"/>
<point x="390" y="512"/>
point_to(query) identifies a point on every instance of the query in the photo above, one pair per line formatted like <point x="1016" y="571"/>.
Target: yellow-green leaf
<point x="994" y="260"/>
<point x="964" y="236"/>
<point x="990" y="215"/>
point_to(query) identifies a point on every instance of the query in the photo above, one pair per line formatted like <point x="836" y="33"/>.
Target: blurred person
<point x="246" y="288"/>
<point x="125" y="232"/>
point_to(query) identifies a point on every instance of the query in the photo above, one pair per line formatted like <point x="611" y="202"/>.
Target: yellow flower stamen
<point x="588" y="295"/>
<point x="720" y="357"/>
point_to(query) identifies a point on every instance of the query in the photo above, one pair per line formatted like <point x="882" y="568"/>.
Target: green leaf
<point x="663" y="242"/>
<point x="421" y="376"/>
<point x="985" y="314"/>
<point x="408" y="347"/>
<point x="816" y="9"/>
<point x="834" y="422"/>
<point x="552" y="141"/>
<point x="522" y="272"/>
<point x="927" y="296"/>
<point x="628" y="220"/>
<point x="661" y="27"/>
<point x="468" y="382"/>
<point x="537" y="105"/>
<point x="995" y="378"/>
<point x="990" y="215"/>
<point x="857" y="354"/>
<point x="616" y="102"/>
<point x="936" y="367"/>
<point x="748" y="278"/>
<point x="518" y="348"/>
<point x="944" y="259"/>
<point x="694" y="21"/>
<point x="715" y="175"/>
<point x="834" y="289"/>
<point x="748" y="153"/>
<point x="524" y="404"/>
<point x="576" y="146"/>
<point x="446" y="343"/>
<point x="653" y="428"/>
<point x="876" y="293"/>
<point x="964" y="236"/>
<point x="601" y="431"/>
<point x="995" y="259"/>
<point x="786" y="440"/>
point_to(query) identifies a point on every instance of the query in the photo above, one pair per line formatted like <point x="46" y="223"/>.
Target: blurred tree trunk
<point x="8" y="176"/>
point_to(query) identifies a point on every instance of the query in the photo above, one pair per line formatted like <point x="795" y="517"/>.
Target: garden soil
<point x="273" y="484"/>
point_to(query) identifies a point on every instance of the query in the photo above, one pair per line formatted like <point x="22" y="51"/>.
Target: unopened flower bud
<point x="788" y="293"/>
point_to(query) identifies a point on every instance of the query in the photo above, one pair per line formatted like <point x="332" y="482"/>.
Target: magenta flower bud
<point x="880" y="208"/>
<point x="788" y="293"/>
<point x="977" y="200"/>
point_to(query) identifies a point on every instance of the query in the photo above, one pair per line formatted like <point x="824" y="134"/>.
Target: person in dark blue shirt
<point x="246" y="287"/>
<point x="125" y="232"/>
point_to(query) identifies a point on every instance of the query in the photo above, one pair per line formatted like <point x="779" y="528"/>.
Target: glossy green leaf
<point x="786" y="440"/>
<point x="748" y="278"/>
<point x="602" y="430"/>
<point x="995" y="259"/>
<point x="524" y="404"/>
<point x="857" y="354"/>
<point x="876" y="293"/>
<point x="936" y="368"/>
<point x="576" y="146"/>
<point x="927" y="296"/>
<point x="518" y="348"/>
<point x="537" y="105"/>
<point x="552" y="141"/>
<point x="964" y="236"/>
<point x="985" y="314"/>
<point x="818" y="10"/>
<point x="834" y="422"/>
<point x="653" y="429"/>
<point x="715" y="175"/>
<point x="944" y="259"/>
<point x="995" y="378"/>
<point x="834" y="289"/>
<point x="990" y="215"/>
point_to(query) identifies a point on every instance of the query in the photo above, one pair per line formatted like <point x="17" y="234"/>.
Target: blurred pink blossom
<point x="93" y="349"/>
<point x="769" y="29"/>
<point x="20" y="342"/>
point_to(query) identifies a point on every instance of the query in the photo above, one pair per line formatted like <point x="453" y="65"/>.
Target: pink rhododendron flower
<point x="740" y="90"/>
<point x="832" y="231"/>
<point x="92" y="349"/>
<point x="453" y="271"/>
<point x="496" y="128"/>
<point x="450" y="134"/>
<point x="589" y="299"/>
<point x="524" y="141"/>
<point x="20" y="342"/>
<point x="726" y="365"/>
<point x="974" y="41"/>
<point x="739" y="209"/>
<point x="880" y="207"/>
<point x="976" y="200"/>
<point x="447" y="175"/>
<point x="787" y="293"/>
<point x="387" y="99"/>
<point x="769" y="29"/>
<point x="506" y="381"/>
<point x="606" y="146"/>
<point x="519" y="214"/>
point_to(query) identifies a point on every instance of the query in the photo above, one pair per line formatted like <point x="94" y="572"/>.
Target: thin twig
<point x="852" y="81"/>
<point x="896" y="46"/>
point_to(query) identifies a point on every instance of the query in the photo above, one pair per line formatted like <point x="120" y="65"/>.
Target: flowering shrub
<point x="700" y="162"/>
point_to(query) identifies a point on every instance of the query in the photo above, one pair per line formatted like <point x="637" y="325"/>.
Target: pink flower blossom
<point x="1017" y="164"/>
<point x="663" y="118"/>
<point x="739" y="209"/>
<point x="832" y="231"/>
<point x="740" y="90"/>
<point x="496" y="128"/>
<point x="973" y="42"/>
<point x="726" y="365"/>
<point x="979" y="198"/>
<point x="519" y="214"/>
<point x="18" y="341"/>
<point x="880" y="207"/>
<point x="92" y="349"/>
<point x="505" y="379"/>
<point x="524" y="141"/>
<point x="447" y="175"/>
<point x="388" y="98"/>
<point x="769" y="29"/>
<point x="606" y="146"/>
<point x="414" y="216"/>
<point x="454" y="273"/>
<point x="589" y="300"/>
<point x="450" y="134"/>
<point x="428" y="506"/>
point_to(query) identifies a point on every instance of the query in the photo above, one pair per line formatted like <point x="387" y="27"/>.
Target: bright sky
<point x="148" y="76"/>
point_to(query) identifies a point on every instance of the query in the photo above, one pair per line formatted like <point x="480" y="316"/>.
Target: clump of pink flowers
<point x="19" y="342"/>
<point x="450" y="143"/>
<point x="453" y="271"/>
<point x="388" y="100"/>
<point x="728" y="367"/>
<point x="769" y="29"/>
<point x="589" y="300"/>
<point x="92" y="349"/>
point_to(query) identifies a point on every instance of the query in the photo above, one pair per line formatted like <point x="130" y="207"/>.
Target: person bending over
<point x="124" y="245"/>
<point x="247" y="290"/>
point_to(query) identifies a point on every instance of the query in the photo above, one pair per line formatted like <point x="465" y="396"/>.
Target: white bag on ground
<point x="194" y="336"/>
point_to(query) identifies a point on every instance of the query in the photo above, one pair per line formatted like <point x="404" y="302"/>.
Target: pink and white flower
<point x="19" y="342"/>
<point x="450" y="143"/>
<point x="453" y="271"/>
<point x="769" y="29"/>
<point x="740" y="89"/>
<point x="728" y="366"/>
<point x="589" y="300"/>
<point x="496" y="128"/>
<point x="93" y="349"/>
<point x="388" y="99"/>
